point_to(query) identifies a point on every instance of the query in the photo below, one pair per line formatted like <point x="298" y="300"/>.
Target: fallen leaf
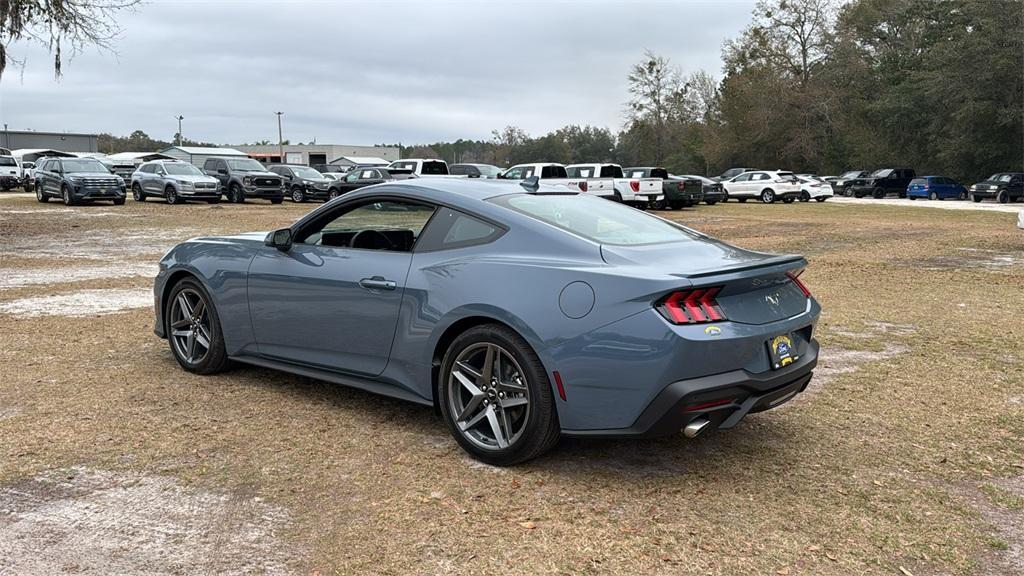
<point x="528" y="525"/>
<point x="906" y="572"/>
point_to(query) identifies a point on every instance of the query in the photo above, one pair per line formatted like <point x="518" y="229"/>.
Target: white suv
<point x="767" y="185"/>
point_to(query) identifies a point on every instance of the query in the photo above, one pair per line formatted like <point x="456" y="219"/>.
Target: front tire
<point x="298" y="195"/>
<point x="65" y="194"/>
<point x="236" y="194"/>
<point x="767" y="196"/>
<point x="40" y="197"/>
<point x="821" y="198"/>
<point x="1002" y="197"/>
<point x="334" y="193"/>
<point x="172" y="195"/>
<point x="976" y="198"/>
<point x="496" y="398"/>
<point x="878" y="193"/>
<point x="193" y="329"/>
<point x="137" y="194"/>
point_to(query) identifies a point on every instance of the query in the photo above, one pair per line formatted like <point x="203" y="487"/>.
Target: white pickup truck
<point x="551" y="173"/>
<point x="424" y="167"/>
<point x="636" y="191"/>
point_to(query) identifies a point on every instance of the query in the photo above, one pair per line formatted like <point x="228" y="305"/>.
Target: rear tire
<point x="821" y="198"/>
<point x="277" y="200"/>
<point x="933" y="196"/>
<point x="805" y="197"/>
<point x="712" y="202"/>
<point x="788" y="200"/>
<point x="484" y="399"/>
<point x="119" y="201"/>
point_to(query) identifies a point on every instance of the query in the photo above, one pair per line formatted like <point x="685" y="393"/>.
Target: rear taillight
<point x="635" y="185"/>
<point x="691" y="306"/>
<point x="794" y="275"/>
<point x="583" y="186"/>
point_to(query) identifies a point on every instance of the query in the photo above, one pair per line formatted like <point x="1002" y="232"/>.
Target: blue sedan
<point x="936" y="188"/>
<point x="521" y="311"/>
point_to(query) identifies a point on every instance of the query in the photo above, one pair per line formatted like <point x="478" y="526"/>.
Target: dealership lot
<point x="905" y="452"/>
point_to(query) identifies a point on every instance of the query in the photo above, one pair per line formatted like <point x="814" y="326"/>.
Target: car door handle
<point x="378" y="283"/>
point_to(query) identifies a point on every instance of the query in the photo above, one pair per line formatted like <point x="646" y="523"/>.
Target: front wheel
<point x="40" y="197"/>
<point x="137" y="194"/>
<point x="1002" y="197"/>
<point x="334" y="193"/>
<point x="712" y="202"/>
<point x="277" y="200"/>
<point x="235" y="194"/>
<point x="976" y="198"/>
<point x="496" y="398"/>
<point x="298" y="195"/>
<point x="172" y="195"/>
<point x="768" y="196"/>
<point x="65" y="194"/>
<point x="878" y="193"/>
<point x="193" y="329"/>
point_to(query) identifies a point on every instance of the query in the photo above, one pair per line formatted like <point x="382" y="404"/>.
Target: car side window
<point x="352" y="177"/>
<point x="742" y="178"/>
<point x="450" y="229"/>
<point x="515" y="174"/>
<point x="388" y="225"/>
<point x="368" y="175"/>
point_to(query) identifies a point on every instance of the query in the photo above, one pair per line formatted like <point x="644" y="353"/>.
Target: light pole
<point x="179" y="118"/>
<point x="280" y="139"/>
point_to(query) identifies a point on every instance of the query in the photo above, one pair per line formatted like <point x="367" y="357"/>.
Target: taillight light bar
<point x="695" y="306"/>
<point x="794" y="275"/>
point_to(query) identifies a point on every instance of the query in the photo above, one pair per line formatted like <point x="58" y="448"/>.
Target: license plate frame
<point x="782" y="350"/>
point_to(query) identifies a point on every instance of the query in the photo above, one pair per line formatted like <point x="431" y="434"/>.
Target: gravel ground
<point x="906" y="455"/>
<point x="985" y="205"/>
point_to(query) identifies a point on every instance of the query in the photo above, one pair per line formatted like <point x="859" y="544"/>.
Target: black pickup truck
<point x="881" y="183"/>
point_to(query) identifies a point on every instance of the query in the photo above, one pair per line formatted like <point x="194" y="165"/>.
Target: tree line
<point x="817" y="86"/>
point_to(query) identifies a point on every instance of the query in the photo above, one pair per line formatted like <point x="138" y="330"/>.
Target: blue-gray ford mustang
<point x="522" y="312"/>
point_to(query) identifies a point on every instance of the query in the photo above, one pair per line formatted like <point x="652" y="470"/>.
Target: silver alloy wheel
<point x="172" y="196"/>
<point x="488" y="396"/>
<point x="137" y="192"/>
<point x="297" y="195"/>
<point x="39" y="194"/>
<point x="66" y="196"/>
<point x="767" y="196"/>
<point x="189" y="323"/>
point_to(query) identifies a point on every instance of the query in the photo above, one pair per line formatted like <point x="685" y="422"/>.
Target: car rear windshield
<point x="435" y="168"/>
<point x="611" y="171"/>
<point x="182" y="170"/>
<point x="7" y="161"/>
<point x="596" y="219"/>
<point x="553" y="172"/>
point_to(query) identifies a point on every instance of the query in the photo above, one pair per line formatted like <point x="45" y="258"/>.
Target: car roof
<point x="462" y="190"/>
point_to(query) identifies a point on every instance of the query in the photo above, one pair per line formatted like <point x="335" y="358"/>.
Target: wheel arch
<point x="477" y="318"/>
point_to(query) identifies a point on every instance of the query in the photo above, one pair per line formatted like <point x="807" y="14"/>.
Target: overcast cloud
<point x="363" y="73"/>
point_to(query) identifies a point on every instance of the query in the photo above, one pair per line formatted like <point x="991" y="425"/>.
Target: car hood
<point x="259" y="174"/>
<point x="193" y="178"/>
<point x="992" y="183"/>
<point x="91" y="175"/>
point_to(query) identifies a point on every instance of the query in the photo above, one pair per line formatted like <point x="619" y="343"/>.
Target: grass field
<point x="905" y="456"/>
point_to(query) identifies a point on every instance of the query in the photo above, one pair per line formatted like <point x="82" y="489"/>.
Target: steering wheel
<point x="373" y="237"/>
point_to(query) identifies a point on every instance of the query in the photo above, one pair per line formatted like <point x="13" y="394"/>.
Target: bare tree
<point x="794" y="33"/>
<point x="656" y="98"/>
<point x="59" y="25"/>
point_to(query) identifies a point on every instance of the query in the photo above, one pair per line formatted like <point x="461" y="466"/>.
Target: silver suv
<point x="174" y="181"/>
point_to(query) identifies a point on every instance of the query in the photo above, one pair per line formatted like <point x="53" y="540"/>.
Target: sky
<point x="363" y="73"/>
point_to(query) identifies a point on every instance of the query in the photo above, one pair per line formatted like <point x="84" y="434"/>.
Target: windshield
<point x="182" y="170"/>
<point x="84" y="165"/>
<point x="246" y="165"/>
<point x="1000" y="177"/>
<point x="853" y="174"/>
<point x="596" y="218"/>
<point x="881" y="173"/>
<point x="307" y="173"/>
<point x="7" y="161"/>
<point x="488" y="170"/>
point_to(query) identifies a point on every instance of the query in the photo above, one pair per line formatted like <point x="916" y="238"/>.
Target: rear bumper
<point x="10" y="181"/>
<point x="724" y="399"/>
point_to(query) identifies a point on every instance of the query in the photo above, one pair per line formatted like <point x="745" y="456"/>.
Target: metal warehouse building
<point x="197" y="155"/>
<point x="311" y="154"/>
<point x="32" y="140"/>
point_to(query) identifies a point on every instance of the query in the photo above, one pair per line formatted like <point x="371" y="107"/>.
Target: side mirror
<point x="280" y="239"/>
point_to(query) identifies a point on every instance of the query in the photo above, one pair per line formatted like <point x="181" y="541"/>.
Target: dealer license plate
<point x="782" y="351"/>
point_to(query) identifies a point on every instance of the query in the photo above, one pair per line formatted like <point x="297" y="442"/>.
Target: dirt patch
<point x="1006" y="550"/>
<point x="875" y="328"/>
<point x="98" y="522"/>
<point x="20" y="277"/>
<point x="113" y="245"/>
<point x="974" y="258"/>
<point x="81" y="303"/>
<point x="8" y="412"/>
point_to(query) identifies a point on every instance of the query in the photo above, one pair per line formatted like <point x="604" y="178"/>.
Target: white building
<point x="317" y="154"/>
<point x="197" y="155"/>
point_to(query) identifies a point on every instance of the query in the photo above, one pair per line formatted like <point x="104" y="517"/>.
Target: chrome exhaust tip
<point x="693" y="429"/>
